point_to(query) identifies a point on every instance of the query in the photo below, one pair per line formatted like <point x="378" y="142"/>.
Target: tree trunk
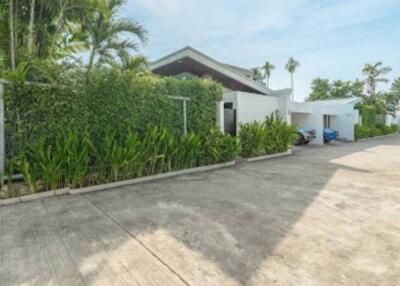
<point x="91" y="60"/>
<point x="292" y="83"/>
<point x="16" y="29"/>
<point x="267" y="82"/>
<point x="60" y="20"/>
<point x="30" y="29"/>
<point x="12" y="39"/>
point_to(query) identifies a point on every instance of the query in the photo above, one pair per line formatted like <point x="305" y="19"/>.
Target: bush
<point x="270" y="137"/>
<point x="74" y="161"/>
<point x="373" y="131"/>
<point x="252" y="138"/>
<point x="110" y="100"/>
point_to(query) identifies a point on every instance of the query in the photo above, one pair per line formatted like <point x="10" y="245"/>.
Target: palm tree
<point x="67" y="15"/>
<point x="374" y="73"/>
<point x="256" y="74"/>
<point x="103" y="31"/>
<point x="267" y="69"/>
<point x="291" y="67"/>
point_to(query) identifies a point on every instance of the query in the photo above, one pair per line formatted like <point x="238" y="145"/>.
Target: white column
<point x="319" y="120"/>
<point x="220" y="116"/>
<point x="2" y="131"/>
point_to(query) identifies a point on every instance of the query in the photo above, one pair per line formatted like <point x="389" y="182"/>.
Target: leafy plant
<point x="269" y="137"/>
<point x="252" y="138"/>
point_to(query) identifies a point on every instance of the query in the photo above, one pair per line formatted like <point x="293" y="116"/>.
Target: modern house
<point x="246" y="100"/>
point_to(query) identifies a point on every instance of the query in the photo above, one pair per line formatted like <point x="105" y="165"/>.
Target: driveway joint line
<point x="152" y="253"/>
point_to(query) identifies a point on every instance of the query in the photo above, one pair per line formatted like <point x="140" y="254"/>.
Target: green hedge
<point x="362" y="132"/>
<point x="263" y="138"/>
<point x="368" y="115"/>
<point x="111" y="100"/>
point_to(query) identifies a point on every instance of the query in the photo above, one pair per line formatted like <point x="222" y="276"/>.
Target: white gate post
<point x="184" y="117"/>
<point x="220" y="116"/>
<point x="2" y="132"/>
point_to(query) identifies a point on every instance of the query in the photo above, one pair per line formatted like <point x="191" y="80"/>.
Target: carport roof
<point x="192" y="61"/>
<point x="350" y="100"/>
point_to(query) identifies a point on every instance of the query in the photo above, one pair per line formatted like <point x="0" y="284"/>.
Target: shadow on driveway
<point x="257" y="223"/>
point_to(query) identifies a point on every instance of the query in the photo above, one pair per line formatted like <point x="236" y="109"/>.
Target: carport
<point x="338" y="115"/>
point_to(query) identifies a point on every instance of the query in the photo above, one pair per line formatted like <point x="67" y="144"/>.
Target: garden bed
<point x="77" y="191"/>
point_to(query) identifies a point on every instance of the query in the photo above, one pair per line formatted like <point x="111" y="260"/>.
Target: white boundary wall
<point x="252" y="107"/>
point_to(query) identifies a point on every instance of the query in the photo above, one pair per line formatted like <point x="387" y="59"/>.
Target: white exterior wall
<point x="252" y="107"/>
<point x="344" y="122"/>
<point x="310" y="115"/>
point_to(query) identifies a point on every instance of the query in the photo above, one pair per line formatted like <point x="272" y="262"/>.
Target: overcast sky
<point x="330" y="38"/>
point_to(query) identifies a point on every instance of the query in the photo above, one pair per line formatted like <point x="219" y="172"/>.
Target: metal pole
<point x="184" y="99"/>
<point x="2" y="133"/>
<point x="184" y="118"/>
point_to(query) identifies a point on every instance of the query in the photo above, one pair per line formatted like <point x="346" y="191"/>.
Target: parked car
<point x="304" y="136"/>
<point x="330" y="135"/>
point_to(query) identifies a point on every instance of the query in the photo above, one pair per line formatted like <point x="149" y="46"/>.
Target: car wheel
<point x="300" y="140"/>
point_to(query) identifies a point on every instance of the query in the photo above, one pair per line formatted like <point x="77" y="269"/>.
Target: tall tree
<point x="291" y="67"/>
<point x="31" y="29"/>
<point x="12" y="33"/>
<point x="320" y="89"/>
<point x="374" y="73"/>
<point x="392" y="98"/>
<point x="267" y="69"/>
<point x="104" y="30"/>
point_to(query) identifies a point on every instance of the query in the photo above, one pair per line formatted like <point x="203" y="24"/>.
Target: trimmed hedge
<point x="111" y="100"/>
<point x="362" y="132"/>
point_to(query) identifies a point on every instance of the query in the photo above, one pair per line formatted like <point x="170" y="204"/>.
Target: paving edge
<point x="32" y="197"/>
<point x="377" y="137"/>
<point x="261" y="158"/>
<point x="149" y="178"/>
<point x="68" y="191"/>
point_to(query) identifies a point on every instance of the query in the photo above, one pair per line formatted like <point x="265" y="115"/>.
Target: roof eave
<point x="211" y="63"/>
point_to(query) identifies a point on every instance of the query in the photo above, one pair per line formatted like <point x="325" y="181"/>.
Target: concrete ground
<point x="325" y="216"/>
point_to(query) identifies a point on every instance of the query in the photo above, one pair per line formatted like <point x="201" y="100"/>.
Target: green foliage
<point x="111" y="100"/>
<point x="252" y="138"/>
<point x="280" y="135"/>
<point x="368" y="114"/>
<point x="373" y="131"/>
<point x="218" y="148"/>
<point x="323" y="89"/>
<point x="74" y="161"/>
<point x="270" y="137"/>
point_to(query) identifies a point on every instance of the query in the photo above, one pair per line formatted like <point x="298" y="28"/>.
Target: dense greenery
<point x="383" y="102"/>
<point x="372" y="131"/>
<point x="75" y="161"/>
<point x="269" y="137"/>
<point x="323" y="89"/>
<point x="59" y="29"/>
<point x="112" y="100"/>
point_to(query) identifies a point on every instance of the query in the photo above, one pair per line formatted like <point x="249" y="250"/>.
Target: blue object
<point x="330" y="135"/>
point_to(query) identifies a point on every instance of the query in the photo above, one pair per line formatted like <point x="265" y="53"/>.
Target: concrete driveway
<point x="325" y="216"/>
